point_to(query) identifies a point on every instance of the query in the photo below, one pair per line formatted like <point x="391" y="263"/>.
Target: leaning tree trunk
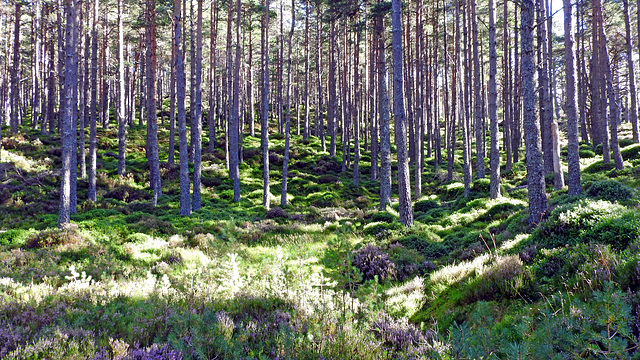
<point x="535" y="174"/>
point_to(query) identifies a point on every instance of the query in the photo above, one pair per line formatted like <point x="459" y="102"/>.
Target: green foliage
<point x="425" y="205"/>
<point x="48" y="238"/>
<point x="612" y="190"/>
<point x="408" y="262"/>
<point x="429" y="248"/>
<point x="506" y="278"/>
<point x="383" y="216"/>
<point x="631" y="152"/>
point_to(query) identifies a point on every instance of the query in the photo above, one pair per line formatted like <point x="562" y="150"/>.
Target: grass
<point x="470" y="279"/>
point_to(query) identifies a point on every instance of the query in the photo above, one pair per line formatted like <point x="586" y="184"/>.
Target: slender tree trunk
<point x="404" y="183"/>
<point x="493" y="105"/>
<point x="373" y="94"/>
<point x="196" y="203"/>
<point x="70" y="99"/>
<point x="305" y="134"/>
<point x="212" y="64"/>
<point x="234" y="170"/>
<point x="264" y="104"/>
<point x="546" y="117"/>
<point x="356" y="109"/>
<point x="477" y="94"/>
<point x="152" y="135"/>
<point x="385" y="136"/>
<point x="185" y="198"/>
<point x="287" y="130"/>
<point x="633" y="110"/>
<point x="331" y="111"/>
<point x="535" y="174"/>
<point x="573" y="156"/>
<point x="121" y="94"/>
<point x="15" y="67"/>
<point x="94" y="105"/>
<point x="172" y="99"/>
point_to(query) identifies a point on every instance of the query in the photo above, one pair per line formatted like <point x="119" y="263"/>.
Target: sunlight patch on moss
<point x="510" y="244"/>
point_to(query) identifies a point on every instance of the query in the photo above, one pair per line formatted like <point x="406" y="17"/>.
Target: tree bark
<point x="385" y="136"/>
<point x="633" y="110"/>
<point x="70" y="99"/>
<point x="573" y="156"/>
<point x="494" y="186"/>
<point x="234" y="121"/>
<point x="152" y="135"/>
<point x="404" y="183"/>
<point x="535" y="175"/>
<point x="287" y="129"/>
<point x="264" y="104"/>
<point x="185" y="198"/>
<point x="121" y="99"/>
<point x="94" y="105"/>
<point x="196" y="203"/>
<point x="15" y="67"/>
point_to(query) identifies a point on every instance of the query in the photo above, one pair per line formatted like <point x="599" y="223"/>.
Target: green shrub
<point x="500" y="212"/>
<point x="586" y="154"/>
<point x="54" y="237"/>
<point x="506" y="278"/>
<point x="611" y="190"/>
<point x="408" y="261"/>
<point x="481" y="185"/>
<point x="430" y="249"/>
<point x="327" y="179"/>
<point x="625" y="142"/>
<point x="383" y="216"/>
<point x="631" y="152"/>
<point x="378" y="228"/>
<point x="617" y="231"/>
<point x="425" y="205"/>
<point x="598" y="167"/>
<point x="570" y="223"/>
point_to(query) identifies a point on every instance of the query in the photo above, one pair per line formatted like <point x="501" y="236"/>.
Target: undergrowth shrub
<point x="425" y="205"/>
<point x="631" y="152"/>
<point x="383" y="216"/>
<point x="53" y="237"/>
<point x="567" y="223"/>
<point x="373" y="262"/>
<point x="611" y="190"/>
<point x="400" y="335"/>
<point x="408" y="262"/>
<point x="128" y="194"/>
<point x="506" y="278"/>
<point x="381" y="228"/>
<point x="428" y="248"/>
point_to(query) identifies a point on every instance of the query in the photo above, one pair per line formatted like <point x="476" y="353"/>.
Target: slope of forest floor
<point x="327" y="277"/>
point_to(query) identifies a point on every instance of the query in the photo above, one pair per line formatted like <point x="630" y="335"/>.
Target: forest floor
<point x="327" y="277"/>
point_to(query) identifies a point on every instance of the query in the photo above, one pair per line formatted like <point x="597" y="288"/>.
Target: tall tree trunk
<point x="234" y="123"/>
<point x="15" y="67"/>
<point x="356" y="109"/>
<point x="535" y="174"/>
<point x="196" y="203"/>
<point x="264" y="104"/>
<point x="385" y="136"/>
<point x="70" y="99"/>
<point x="121" y="94"/>
<point x="152" y="135"/>
<point x="305" y="134"/>
<point x="494" y="186"/>
<point x="404" y="183"/>
<point x="212" y="65"/>
<point x="94" y="105"/>
<point x="633" y="110"/>
<point x="573" y="156"/>
<point x="172" y="99"/>
<point x="333" y="99"/>
<point x="546" y="117"/>
<point x="477" y="93"/>
<point x="185" y="198"/>
<point x="287" y="130"/>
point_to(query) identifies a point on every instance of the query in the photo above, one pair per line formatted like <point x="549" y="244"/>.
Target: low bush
<point x="372" y="262"/>
<point x="54" y="237"/>
<point x="429" y="249"/>
<point x="425" y="205"/>
<point x="611" y="190"/>
<point x="506" y="278"/>
<point x="383" y="216"/>
<point x="408" y="262"/>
